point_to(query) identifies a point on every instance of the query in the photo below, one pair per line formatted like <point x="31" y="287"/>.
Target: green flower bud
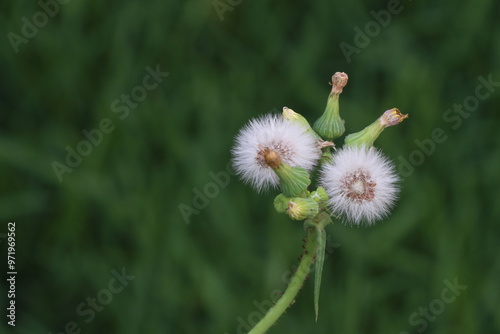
<point x="281" y="203"/>
<point x="368" y="135"/>
<point x="302" y="208"/>
<point x="292" y="116"/>
<point x="319" y="195"/>
<point x="330" y="125"/>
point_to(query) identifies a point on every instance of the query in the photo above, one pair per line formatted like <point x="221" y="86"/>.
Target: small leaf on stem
<point x="320" y="259"/>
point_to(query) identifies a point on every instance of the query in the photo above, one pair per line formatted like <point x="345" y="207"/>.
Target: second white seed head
<point x="361" y="184"/>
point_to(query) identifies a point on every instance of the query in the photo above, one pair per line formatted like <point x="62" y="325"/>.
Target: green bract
<point x="281" y="203"/>
<point x="302" y="208"/>
<point x="319" y="195"/>
<point x="293" y="180"/>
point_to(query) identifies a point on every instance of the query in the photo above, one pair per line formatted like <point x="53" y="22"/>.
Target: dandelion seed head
<point x="361" y="184"/>
<point x="265" y="142"/>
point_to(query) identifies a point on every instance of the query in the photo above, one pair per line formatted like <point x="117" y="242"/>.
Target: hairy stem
<point x="293" y="288"/>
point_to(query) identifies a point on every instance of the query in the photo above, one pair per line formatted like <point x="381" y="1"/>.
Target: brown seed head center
<point x="359" y="186"/>
<point x="272" y="155"/>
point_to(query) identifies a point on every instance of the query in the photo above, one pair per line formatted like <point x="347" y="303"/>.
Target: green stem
<point x="293" y="288"/>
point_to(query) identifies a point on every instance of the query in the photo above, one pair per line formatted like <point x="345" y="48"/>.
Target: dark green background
<point x="120" y="207"/>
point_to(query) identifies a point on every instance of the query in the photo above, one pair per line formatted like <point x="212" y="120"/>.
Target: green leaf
<point x="320" y="259"/>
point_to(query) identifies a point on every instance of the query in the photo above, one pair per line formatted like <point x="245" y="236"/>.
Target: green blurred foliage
<point x="119" y="208"/>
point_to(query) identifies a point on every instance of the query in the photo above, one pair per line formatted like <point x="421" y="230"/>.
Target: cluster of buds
<point x="358" y="184"/>
<point x="300" y="208"/>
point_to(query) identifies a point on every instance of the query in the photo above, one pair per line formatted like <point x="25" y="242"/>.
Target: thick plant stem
<point x="293" y="288"/>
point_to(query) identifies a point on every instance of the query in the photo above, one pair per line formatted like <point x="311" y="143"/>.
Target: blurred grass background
<point x="120" y="207"/>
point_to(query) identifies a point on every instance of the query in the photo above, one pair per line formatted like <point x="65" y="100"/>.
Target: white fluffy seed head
<point x="295" y="146"/>
<point x="361" y="184"/>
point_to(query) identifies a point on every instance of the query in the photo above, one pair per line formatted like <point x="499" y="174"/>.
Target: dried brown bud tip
<point x="392" y="117"/>
<point x="323" y="144"/>
<point x="339" y="80"/>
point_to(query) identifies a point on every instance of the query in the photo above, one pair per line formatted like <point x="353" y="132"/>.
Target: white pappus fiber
<point x="291" y="141"/>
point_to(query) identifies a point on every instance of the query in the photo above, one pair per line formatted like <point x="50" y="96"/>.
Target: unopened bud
<point x="297" y="118"/>
<point x="330" y="125"/>
<point x="281" y="203"/>
<point x="293" y="116"/>
<point x="302" y="208"/>
<point x="392" y="117"/>
<point x="368" y="135"/>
